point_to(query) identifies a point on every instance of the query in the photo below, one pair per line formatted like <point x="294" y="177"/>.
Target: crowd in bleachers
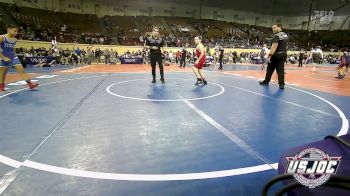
<point x="44" y="25"/>
<point x="69" y="57"/>
<point x="77" y="56"/>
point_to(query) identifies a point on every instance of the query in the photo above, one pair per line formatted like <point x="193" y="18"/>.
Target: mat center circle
<point x="174" y="89"/>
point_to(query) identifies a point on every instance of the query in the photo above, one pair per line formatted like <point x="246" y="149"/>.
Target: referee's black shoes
<point x="263" y="83"/>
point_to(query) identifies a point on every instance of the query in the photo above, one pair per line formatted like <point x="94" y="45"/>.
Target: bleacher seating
<point x="78" y="22"/>
<point x="146" y="24"/>
<point x="181" y="27"/>
<point x="37" y="24"/>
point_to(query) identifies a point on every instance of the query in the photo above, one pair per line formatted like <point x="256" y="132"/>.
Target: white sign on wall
<point x="74" y="6"/>
<point x="323" y="17"/>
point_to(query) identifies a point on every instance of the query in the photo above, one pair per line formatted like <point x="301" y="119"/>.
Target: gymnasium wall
<point x="159" y="8"/>
<point x="121" y="49"/>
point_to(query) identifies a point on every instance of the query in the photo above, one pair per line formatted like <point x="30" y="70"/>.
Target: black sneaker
<point x="263" y="83"/>
<point x="154" y="81"/>
<point x="282" y="87"/>
<point x="199" y="81"/>
<point x="162" y="80"/>
<point x="205" y="82"/>
<point x="340" y="77"/>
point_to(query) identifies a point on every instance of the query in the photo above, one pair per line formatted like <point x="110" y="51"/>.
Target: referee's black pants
<point x="157" y="57"/>
<point x="276" y="62"/>
<point x="182" y="61"/>
<point x="300" y="63"/>
<point x="221" y="61"/>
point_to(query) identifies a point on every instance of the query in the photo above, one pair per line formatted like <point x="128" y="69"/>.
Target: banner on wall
<point x="40" y="4"/>
<point x="37" y="60"/>
<point x="73" y="5"/>
<point x="31" y="1"/>
<point x="136" y="60"/>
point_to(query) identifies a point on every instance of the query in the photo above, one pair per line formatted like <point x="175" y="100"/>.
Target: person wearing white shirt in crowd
<point x="171" y="56"/>
<point x="28" y="54"/>
<point x="102" y="40"/>
<point x="53" y="44"/>
<point x="141" y="39"/>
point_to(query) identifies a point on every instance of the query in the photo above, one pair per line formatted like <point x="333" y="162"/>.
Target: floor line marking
<point x="345" y="122"/>
<point x="154" y="177"/>
<point x="109" y="91"/>
<point x="235" y="139"/>
<point x="284" y="101"/>
<point x="8" y="179"/>
<point x="147" y="177"/>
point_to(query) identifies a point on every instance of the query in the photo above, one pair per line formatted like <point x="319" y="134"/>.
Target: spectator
<point x="2" y="26"/>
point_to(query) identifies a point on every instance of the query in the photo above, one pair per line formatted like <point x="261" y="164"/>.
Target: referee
<point x="221" y="56"/>
<point x="155" y="44"/>
<point x="278" y="55"/>
<point x="183" y="57"/>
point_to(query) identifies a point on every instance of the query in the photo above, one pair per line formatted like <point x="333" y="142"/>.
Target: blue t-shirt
<point x="8" y="47"/>
<point x="78" y="52"/>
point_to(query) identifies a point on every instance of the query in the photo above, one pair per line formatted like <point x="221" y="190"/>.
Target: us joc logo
<point x="312" y="167"/>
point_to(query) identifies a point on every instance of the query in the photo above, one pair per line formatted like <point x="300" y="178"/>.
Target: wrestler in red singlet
<point x="201" y="61"/>
<point x="198" y="65"/>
